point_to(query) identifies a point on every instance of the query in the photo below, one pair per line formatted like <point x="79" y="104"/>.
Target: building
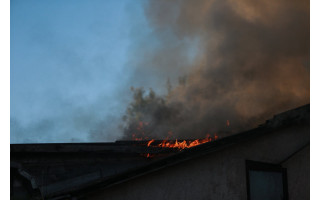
<point x="271" y="161"/>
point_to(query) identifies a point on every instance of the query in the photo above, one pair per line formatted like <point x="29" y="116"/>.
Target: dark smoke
<point x="253" y="62"/>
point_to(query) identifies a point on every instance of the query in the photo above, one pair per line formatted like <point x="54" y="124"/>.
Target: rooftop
<point x="66" y="168"/>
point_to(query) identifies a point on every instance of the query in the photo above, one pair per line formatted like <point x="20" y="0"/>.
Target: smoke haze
<point x="241" y="61"/>
<point x="72" y="64"/>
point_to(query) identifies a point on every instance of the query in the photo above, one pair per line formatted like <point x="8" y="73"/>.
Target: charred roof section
<point x="61" y="170"/>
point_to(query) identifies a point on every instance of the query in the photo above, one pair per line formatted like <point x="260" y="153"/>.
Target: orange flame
<point x="166" y="143"/>
<point x="178" y="145"/>
<point x="150" y="142"/>
<point x="184" y="144"/>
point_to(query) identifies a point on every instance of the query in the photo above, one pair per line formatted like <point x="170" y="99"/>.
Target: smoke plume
<point x="252" y="61"/>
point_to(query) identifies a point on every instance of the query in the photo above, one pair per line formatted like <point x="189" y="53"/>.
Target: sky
<point x="69" y="67"/>
<point x="73" y="64"/>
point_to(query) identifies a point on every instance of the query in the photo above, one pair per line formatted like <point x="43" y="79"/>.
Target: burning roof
<point x="94" y="165"/>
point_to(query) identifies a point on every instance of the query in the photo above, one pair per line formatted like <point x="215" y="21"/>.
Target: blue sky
<point x="73" y="63"/>
<point x="68" y="67"/>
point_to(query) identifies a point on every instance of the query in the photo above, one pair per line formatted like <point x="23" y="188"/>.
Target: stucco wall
<point x="221" y="174"/>
<point x="298" y="172"/>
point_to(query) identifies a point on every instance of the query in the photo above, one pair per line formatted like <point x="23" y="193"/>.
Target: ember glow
<point x="185" y="144"/>
<point x="175" y="144"/>
<point x="167" y="142"/>
<point x="141" y="132"/>
<point x="150" y="142"/>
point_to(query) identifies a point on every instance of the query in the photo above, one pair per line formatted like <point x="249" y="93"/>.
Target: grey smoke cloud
<point x="251" y="62"/>
<point x="240" y="61"/>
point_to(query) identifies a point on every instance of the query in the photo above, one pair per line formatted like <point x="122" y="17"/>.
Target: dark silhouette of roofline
<point x="298" y="116"/>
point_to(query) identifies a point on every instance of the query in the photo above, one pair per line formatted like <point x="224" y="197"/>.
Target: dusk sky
<point x="73" y="63"/>
<point x="71" y="70"/>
